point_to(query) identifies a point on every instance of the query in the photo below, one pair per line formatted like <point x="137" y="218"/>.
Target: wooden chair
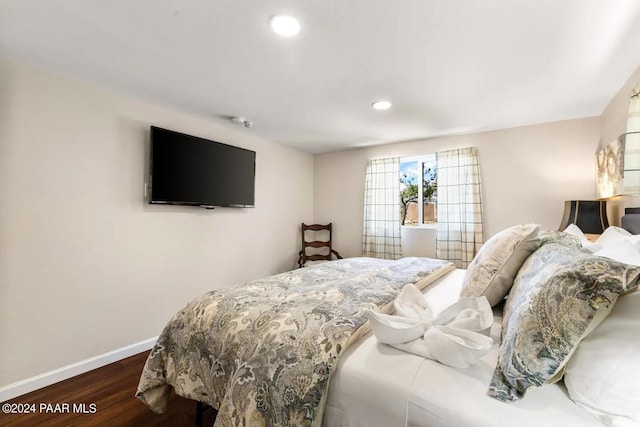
<point x="321" y="249"/>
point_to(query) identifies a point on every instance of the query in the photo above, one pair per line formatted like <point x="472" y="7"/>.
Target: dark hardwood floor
<point x="112" y="389"/>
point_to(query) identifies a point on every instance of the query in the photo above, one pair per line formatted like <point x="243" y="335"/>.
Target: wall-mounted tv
<point x="187" y="170"/>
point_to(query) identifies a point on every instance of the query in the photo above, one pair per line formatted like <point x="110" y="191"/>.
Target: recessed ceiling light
<point x="381" y="105"/>
<point x="284" y="25"/>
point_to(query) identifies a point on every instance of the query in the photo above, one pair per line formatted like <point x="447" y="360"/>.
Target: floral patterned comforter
<point x="262" y="353"/>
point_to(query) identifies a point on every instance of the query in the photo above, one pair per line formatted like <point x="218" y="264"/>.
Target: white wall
<point x="527" y="173"/>
<point x="86" y="266"/>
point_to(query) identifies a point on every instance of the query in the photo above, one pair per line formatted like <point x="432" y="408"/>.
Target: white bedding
<point x="376" y="385"/>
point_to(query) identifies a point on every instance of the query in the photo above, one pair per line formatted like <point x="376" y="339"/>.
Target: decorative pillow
<point x="602" y="375"/>
<point x="561" y="238"/>
<point x="492" y="271"/>
<point x="559" y="295"/>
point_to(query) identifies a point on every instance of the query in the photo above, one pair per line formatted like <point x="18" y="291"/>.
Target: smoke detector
<point x="241" y="121"/>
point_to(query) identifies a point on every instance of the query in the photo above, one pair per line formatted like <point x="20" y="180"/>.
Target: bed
<point x="263" y="353"/>
<point x="367" y="383"/>
<point x="413" y="391"/>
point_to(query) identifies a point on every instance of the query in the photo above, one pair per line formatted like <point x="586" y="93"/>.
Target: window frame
<point x="421" y="159"/>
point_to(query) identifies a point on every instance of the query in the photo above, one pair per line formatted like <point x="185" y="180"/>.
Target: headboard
<point x="631" y="220"/>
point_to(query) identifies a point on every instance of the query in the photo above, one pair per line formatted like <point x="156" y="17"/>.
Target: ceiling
<point x="448" y="67"/>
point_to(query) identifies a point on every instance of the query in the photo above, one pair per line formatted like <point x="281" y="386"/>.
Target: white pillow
<point x="612" y="235"/>
<point x="603" y="375"/>
<point x="574" y="230"/>
<point x="623" y="251"/>
<point x="492" y="271"/>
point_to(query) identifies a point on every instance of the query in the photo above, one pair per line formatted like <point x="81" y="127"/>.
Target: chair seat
<point x="311" y="263"/>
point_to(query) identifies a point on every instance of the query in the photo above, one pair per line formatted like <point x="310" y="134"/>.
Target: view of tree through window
<point x="418" y="190"/>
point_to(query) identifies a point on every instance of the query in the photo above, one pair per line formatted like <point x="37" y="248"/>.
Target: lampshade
<point x="589" y="215"/>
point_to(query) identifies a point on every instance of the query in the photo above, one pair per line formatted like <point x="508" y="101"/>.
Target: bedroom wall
<point x="86" y="266"/>
<point x="527" y="173"/>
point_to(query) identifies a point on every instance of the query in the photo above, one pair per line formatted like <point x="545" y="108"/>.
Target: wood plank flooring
<point x="112" y="389"/>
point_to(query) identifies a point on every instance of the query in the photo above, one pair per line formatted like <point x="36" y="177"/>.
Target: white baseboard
<point x="19" y="388"/>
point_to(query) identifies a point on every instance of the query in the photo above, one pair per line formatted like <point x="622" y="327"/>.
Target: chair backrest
<point x="317" y="238"/>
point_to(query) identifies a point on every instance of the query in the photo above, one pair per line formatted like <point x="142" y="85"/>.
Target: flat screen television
<point x="187" y="170"/>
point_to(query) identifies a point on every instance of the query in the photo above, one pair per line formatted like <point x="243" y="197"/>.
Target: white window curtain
<point x="633" y="121"/>
<point x="381" y="226"/>
<point x="459" y="234"/>
<point x="631" y="171"/>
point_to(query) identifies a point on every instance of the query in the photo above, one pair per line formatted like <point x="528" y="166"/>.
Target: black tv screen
<point x="187" y="170"/>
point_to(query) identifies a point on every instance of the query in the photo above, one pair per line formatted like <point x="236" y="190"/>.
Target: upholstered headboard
<point x="631" y="220"/>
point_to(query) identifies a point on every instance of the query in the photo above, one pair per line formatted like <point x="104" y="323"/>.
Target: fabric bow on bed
<point x="457" y="337"/>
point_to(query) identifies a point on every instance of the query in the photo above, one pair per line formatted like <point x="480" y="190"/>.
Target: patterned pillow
<point x="561" y="238"/>
<point x="492" y="271"/>
<point x="559" y="295"/>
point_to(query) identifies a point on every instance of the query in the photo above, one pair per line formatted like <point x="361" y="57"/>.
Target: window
<point x="418" y="190"/>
